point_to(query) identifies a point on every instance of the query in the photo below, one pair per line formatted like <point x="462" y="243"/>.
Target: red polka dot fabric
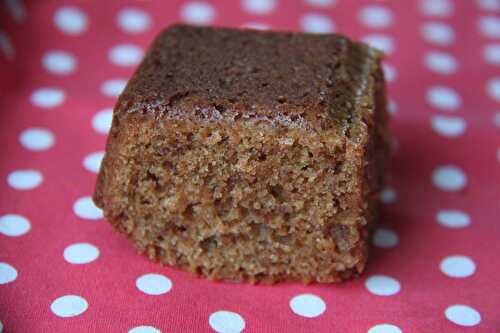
<point x="434" y="264"/>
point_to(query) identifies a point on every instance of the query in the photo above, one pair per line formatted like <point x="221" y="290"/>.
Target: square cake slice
<point x="249" y="155"/>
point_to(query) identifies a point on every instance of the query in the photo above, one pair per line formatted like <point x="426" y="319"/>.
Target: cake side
<point x="232" y="202"/>
<point x="241" y="206"/>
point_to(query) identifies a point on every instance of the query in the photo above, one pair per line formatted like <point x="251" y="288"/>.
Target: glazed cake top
<point x="218" y="71"/>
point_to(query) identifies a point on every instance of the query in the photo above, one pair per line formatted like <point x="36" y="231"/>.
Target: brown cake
<point x="247" y="155"/>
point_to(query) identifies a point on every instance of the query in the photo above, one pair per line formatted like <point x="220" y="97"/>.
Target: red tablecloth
<point x="435" y="262"/>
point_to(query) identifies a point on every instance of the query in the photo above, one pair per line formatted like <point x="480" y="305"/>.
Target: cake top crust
<point x="249" y="73"/>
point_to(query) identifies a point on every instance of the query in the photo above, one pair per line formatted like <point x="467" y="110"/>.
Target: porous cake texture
<point x="249" y="155"/>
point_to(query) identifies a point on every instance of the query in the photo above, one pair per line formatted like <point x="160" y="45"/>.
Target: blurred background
<point x="62" y="269"/>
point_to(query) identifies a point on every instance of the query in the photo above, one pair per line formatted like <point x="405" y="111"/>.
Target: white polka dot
<point x="321" y="3"/>
<point x="197" y="12"/>
<point x="86" y="209"/>
<point x="449" y="178"/>
<point x="71" y="20"/>
<point x="444" y="98"/>
<point x="259" y="7"/>
<point x="385" y="238"/>
<point x="491" y="54"/>
<point x="113" y="87"/>
<point x="317" y="23"/>
<point x="102" y="120"/>
<point x="375" y="16"/>
<point x="256" y="26"/>
<point x="92" y="162"/>
<point x="496" y="119"/>
<point x="382" y="285"/>
<point x="226" y="322"/>
<point x="462" y="315"/>
<point x="13" y="225"/>
<point x="47" y="97"/>
<point x="133" y="20"/>
<point x="438" y="33"/>
<point x="390" y="72"/>
<point x="81" y="253"/>
<point x="491" y="5"/>
<point x="388" y="195"/>
<point x="307" y="305"/>
<point x="453" y="218"/>
<point x="36" y="139"/>
<point x="493" y="88"/>
<point x="392" y="106"/>
<point x="490" y="26"/>
<point x="381" y="42"/>
<point x="440" y="62"/>
<point x="59" y="62"/>
<point x="144" y="329"/>
<point x="153" y="284"/>
<point x="457" y="266"/>
<point x="125" y="55"/>
<point x="24" y="179"/>
<point x="448" y="126"/>
<point x="69" y="306"/>
<point x="440" y="8"/>
<point x="7" y="273"/>
<point x="385" y="328"/>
